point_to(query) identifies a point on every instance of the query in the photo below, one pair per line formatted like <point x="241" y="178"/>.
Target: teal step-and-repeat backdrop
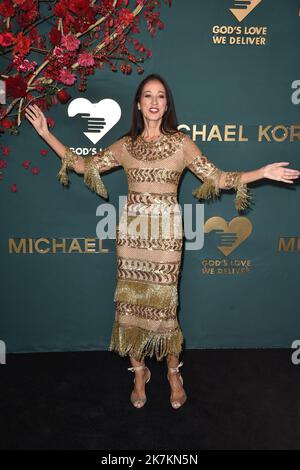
<point x="235" y="77"/>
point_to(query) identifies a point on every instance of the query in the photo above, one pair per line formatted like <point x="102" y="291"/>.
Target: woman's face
<point x="153" y="100"/>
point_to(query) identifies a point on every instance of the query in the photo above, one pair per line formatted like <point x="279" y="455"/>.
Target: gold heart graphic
<point x="243" y="8"/>
<point x="241" y="226"/>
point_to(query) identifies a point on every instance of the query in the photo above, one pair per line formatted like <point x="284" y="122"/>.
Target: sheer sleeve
<point x="210" y="174"/>
<point x="94" y="165"/>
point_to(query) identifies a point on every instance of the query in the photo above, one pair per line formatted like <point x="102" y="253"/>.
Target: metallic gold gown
<point x="149" y="236"/>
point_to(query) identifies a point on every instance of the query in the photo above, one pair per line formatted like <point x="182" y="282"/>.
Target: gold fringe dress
<point x="148" y="260"/>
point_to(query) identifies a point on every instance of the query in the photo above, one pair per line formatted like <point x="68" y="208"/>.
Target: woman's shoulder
<point x="177" y="135"/>
<point x="184" y="135"/>
<point x="125" y="140"/>
<point x="180" y="135"/>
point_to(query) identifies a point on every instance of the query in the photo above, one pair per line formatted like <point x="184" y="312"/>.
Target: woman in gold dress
<point x="149" y="238"/>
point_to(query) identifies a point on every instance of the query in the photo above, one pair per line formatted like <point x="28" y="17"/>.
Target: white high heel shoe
<point x="139" y="402"/>
<point x="179" y="402"/>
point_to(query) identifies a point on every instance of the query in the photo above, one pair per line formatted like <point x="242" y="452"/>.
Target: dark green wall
<point x="65" y="301"/>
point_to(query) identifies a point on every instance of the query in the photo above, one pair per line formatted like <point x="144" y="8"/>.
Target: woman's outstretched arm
<point x="215" y="179"/>
<point x="91" y="166"/>
<point x="38" y="120"/>
<point x="273" y="171"/>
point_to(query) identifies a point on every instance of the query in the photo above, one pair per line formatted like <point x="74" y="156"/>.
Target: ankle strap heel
<point x="133" y="369"/>
<point x="180" y="401"/>
<point x="175" y="369"/>
<point x="139" y="402"/>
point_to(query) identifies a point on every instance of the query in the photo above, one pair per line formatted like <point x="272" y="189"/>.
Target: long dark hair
<point x="169" y="120"/>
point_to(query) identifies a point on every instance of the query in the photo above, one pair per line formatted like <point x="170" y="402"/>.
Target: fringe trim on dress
<point x="68" y="163"/>
<point x="138" y="343"/>
<point x="210" y="189"/>
<point x="93" y="179"/>
<point x="243" y="195"/>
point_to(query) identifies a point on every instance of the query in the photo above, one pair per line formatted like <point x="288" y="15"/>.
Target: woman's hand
<point x="275" y="171"/>
<point x="37" y="118"/>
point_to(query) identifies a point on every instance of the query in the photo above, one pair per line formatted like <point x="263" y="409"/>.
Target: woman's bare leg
<point x="172" y="360"/>
<point x="140" y="378"/>
<point x="174" y="380"/>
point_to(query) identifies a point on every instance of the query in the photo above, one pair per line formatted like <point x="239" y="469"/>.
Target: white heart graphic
<point x="101" y="116"/>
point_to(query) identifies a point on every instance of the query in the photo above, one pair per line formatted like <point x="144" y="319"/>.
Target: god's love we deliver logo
<point x="236" y="34"/>
<point x="227" y="237"/>
<point x="98" y="118"/>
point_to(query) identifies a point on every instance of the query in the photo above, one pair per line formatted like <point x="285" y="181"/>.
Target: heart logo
<point x="232" y="233"/>
<point x="101" y="116"/>
<point x="242" y="8"/>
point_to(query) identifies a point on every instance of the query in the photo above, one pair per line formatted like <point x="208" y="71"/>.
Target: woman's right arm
<point x="60" y="149"/>
<point x="91" y="166"/>
<point x="37" y="118"/>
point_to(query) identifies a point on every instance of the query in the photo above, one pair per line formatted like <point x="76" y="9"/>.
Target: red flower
<point x="60" y="10"/>
<point x="3" y="163"/>
<point x="34" y="36"/>
<point x="63" y="96"/>
<point x="5" y="151"/>
<point x="55" y="36"/>
<point x="126" y="68"/>
<point x="24" y="65"/>
<point x="35" y="170"/>
<point x="67" y="77"/>
<point x="79" y="7"/>
<point x="86" y="59"/>
<point x="50" y="121"/>
<point x="23" y="44"/>
<point x="7" y="9"/>
<point x="16" y="86"/>
<point x="26" y="164"/>
<point x="14" y="188"/>
<point x="25" y="5"/>
<point x="19" y="2"/>
<point x="6" y="123"/>
<point x="70" y="42"/>
<point x="43" y="152"/>
<point x="6" y="39"/>
<point x="126" y="16"/>
<point x="26" y="19"/>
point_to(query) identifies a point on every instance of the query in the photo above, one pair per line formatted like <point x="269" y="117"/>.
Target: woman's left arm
<point x="214" y="179"/>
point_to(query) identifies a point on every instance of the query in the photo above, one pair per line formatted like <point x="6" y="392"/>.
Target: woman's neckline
<point x="152" y="141"/>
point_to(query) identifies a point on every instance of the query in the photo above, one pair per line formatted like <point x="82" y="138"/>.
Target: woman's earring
<point x="139" y="108"/>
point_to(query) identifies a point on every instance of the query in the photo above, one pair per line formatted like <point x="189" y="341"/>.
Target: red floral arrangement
<point x="83" y="35"/>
